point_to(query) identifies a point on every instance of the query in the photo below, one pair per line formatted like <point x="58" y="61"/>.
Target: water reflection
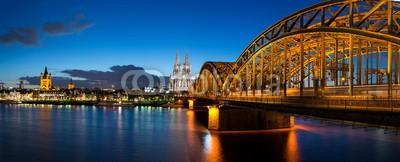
<point x="45" y="131"/>
<point x="291" y="152"/>
<point x="212" y="147"/>
<point x="191" y="120"/>
<point x="274" y="145"/>
<point x="89" y="133"/>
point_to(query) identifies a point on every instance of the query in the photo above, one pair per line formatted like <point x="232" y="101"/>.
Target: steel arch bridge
<point x="336" y="47"/>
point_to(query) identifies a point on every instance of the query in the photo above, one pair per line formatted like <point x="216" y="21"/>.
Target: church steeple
<point x="187" y="58"/>
<point x="186" y="65"/>
<point x="45" y="71"/>
<point x="71" y="84"/>
<point x="177" y="58"/>
<point x="177" y="66"/>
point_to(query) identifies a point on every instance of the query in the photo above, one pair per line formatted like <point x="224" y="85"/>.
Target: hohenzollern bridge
<point x="334" y="48"/>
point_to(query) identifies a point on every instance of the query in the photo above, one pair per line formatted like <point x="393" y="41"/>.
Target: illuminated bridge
<point x="336" y="59"/>
<point x="335" y="48"/>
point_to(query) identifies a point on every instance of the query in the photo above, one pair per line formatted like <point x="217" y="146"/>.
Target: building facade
<point x="21" y="84"/>
<point x="181" y="80"/>
<point x="45" y="80"/>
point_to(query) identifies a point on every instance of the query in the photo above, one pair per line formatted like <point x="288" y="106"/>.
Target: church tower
<point x="186" y="65"/>
<point x="177" y="66"/>
<point x="45" y="80"/>
<point x="71" y="85"/>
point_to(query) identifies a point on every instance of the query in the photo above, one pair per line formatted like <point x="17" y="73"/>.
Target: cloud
<point x="32" y="80"/>
<point x="27" y="36"/>
<point x="66" y="27"/>
<point x="100" y="79"/>
<point x="115" y="74"/>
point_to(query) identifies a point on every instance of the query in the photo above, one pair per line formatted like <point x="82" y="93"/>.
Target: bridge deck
<point x="378" y="112"/>
<point x="339" y="103"/>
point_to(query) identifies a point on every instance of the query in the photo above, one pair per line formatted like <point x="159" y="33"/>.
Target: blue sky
<point x="96" y="35"/>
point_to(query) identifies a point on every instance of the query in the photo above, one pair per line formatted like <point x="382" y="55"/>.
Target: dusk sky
<point x="97" y="35"/>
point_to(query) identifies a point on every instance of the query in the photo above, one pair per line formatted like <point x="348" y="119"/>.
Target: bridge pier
<point x="228" y="118"/>
<point x="191" y="104"/>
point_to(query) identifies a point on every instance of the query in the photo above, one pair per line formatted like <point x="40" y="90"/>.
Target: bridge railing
<point x="361" y="103"/>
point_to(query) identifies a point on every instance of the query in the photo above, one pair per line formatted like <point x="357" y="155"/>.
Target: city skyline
<point x="200" y="80"/>
<point x="91" y="35"/>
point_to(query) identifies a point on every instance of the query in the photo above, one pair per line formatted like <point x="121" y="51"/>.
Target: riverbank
<point x="62" y="102"/>
<point x="98" y="103"/>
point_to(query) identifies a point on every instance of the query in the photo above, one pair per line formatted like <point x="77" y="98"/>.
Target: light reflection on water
<point x="90" y="133"/>
<point x="291" y="152"/>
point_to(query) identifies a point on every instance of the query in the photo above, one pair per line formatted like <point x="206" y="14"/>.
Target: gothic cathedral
<point x="181" y="81"/>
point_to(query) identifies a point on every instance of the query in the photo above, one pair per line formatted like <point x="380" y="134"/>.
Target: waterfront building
<point x="181" y="80"/>
<point x="45" y="80"/>
<point x="52" y="95"/>
<point x="15" y="94"/>
<point x="71" y="85"/>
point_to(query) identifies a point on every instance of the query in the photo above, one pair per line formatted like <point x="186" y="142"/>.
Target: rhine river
<point x="90" y="133"/>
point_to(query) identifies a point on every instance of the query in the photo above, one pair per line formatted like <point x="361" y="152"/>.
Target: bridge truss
<point x="337" y="47"/>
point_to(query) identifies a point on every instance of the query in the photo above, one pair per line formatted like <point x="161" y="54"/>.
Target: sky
<point x="94" y="36"/>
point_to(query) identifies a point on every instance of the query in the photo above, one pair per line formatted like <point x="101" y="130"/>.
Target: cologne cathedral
<point x="181" y="80"/>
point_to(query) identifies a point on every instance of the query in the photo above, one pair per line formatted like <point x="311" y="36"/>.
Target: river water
<point x="90" y="133"/>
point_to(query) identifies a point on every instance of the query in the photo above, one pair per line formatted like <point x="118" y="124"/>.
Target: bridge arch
<point x="333" y="47"/>
<point x="212" y="76"/>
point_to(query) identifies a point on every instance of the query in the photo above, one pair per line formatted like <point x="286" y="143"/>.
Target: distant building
<point x="71" y="85"/>
<point x="147" y="91"/>
<point x="21" y="84"/>
<point x="181" y="81"/>
<point x="45" y="80"/>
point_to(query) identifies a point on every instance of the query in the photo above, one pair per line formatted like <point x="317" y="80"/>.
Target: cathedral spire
<point x="186" y="65"/>
<point x="187" y="58"/>
<point x="177" y="58"/>
<point x="177" y="66"/>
